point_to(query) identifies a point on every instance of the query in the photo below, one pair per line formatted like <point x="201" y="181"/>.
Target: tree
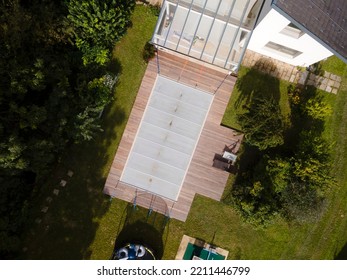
<point x="278" y="171"/>
<point x="262" y="124"/>
<point x="95" y="96"/>
<point x="48" y="99"/>
<point x="31" y="66"/>
<point x="318" y="109"/>
<point x="47" y="96"/>
<point x="98" y="25"/>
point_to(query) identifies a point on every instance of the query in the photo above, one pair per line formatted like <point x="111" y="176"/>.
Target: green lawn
<point x="251" y="82"/>
<point x="324" y="239"/>
<point x="84" y="223"/>
<point x="333" y="65"/>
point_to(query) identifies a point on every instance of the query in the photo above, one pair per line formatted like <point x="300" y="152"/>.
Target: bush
<point x="263" y="124"/>
<point x="148" y="52"/>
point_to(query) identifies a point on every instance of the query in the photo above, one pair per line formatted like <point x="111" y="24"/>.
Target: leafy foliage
<point x="317" y="109"/>
<point x="289" y="173"/>
<point x="262" y="124"/>
<point x="148" y="52"/>
<point x="48" y="97"/>
<point x="98" y="25"/>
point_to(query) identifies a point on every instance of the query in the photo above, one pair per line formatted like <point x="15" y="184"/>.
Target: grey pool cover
<point x="167" y="137"/>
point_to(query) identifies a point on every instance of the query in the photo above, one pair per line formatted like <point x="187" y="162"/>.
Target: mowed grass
<point x="254" y="82"/>
<point x="333" y="65"/>
<point x="321" y="240"/>
<point x="82" y="223"/>
<point x="325" y="239"/>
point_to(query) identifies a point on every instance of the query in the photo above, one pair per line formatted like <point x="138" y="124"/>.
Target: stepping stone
<point x="70" y="173"/>
<point x="49" y="199"/>
<point x="331" y="83"/>
<point x="322" y="87"/>
<point x="63" y="183"/>
<point x="44" y="209"/>
<point x="337" y="84"/>
<point x="310" y="82"/>
<point x="338" y="79"/>
<point x="333" y="77"/>
<point x="38" y="221"/>
<point x="334" y="91"/>
<point x="303" y="78"/>
<point x="329" y="89"/>
<point x="56" y="191"/>
<point x="326" y="74"/>
<point x="319" y="79"/>
<point x="325" y="81"/>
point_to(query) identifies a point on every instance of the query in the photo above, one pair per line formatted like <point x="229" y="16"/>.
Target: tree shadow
<point x="342" y="255"/>
<point x="257" y="84"/>
<point x="114" y="66"/>
<point x="69" y="225"/>
<point x="143" y="226"/>
<point x="252" y="86"/>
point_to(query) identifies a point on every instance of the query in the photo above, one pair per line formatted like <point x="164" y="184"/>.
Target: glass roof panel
<point x="209" y="30"/>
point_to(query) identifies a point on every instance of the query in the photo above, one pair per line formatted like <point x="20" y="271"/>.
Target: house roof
<point x="324" y="20"/>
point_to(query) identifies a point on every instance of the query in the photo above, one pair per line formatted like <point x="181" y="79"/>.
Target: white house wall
<point x="268" y="30"/>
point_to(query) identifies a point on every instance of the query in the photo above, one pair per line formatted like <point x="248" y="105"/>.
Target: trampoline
<point x="133" y="252"/>
<point x="167" y="137"/>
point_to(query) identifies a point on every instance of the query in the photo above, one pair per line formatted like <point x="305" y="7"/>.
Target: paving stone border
<point x="329" y="82"/>
<point x="273" y="67"/>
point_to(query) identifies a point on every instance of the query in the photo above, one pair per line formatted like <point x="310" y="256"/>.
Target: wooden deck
<point x="201" y="177"/>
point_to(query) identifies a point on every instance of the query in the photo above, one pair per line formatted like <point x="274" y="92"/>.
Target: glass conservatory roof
<point x="167" y="137"/>
<point x="214" y="31"/>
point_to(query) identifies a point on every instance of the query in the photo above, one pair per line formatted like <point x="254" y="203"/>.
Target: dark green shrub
<point x="148" y="52"/>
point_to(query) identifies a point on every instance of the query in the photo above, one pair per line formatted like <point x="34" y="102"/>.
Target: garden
<point x="288" y="200"/>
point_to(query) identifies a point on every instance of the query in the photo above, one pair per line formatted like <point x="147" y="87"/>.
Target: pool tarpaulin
<point x="167" y="137"/>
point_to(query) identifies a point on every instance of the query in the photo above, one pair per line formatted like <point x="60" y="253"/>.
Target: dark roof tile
<point x="325" y="20"/>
